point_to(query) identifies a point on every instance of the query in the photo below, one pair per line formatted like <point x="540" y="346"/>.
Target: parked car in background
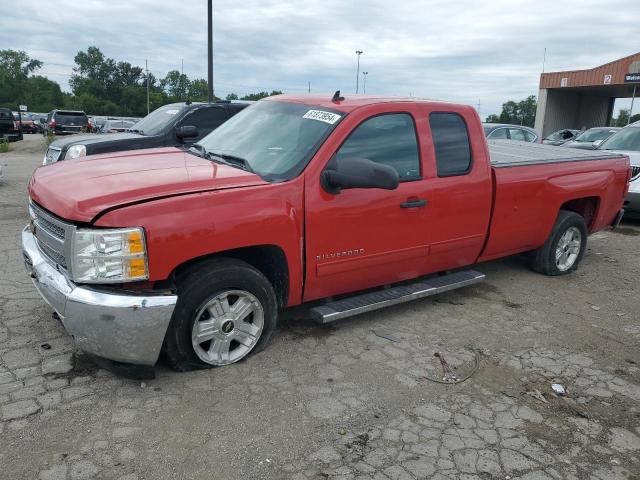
<point x="501" y="131"/>
<point x="195" y="252"/>
<point x="590" y="139"/>
<point x="627" y="142"/>
<point x="560" y="136"/>
<point x="64" y="122"/>
<point x="176" y="124"/>
<point x="116" y="126"/>
<point x="27" y="125"/>
<point x="9" y="127"/>
<point x="38" y="120"/>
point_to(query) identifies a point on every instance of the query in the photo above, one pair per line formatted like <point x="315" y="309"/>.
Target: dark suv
<point x="9" y="128"/>
<point x="63" y="122"/>
<point x="176" y="124"/>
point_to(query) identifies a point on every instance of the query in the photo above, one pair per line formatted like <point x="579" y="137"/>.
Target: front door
<point x="361" y="238"/>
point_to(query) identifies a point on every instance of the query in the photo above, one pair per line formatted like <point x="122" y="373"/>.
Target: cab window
<point x="451" y="144"/>
<point x="389" y="139"/>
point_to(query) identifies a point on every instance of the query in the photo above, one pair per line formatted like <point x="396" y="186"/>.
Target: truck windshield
<point x="157" y="121"/>
<point x="626" y="139"/>
<point x="594" y="134"/>
<point x="276" y="139"/>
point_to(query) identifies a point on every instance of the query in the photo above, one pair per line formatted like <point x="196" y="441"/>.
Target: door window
<point x="451" y="143"/>
<point x="517" y="134"/>
<point x="389" y="139"/>
<point x="529" y="136"/>
<point x="498" y="134"/>
<point x="205" y="120"/>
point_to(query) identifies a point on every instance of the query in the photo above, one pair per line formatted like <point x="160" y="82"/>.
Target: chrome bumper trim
<point x="121" y="327"/>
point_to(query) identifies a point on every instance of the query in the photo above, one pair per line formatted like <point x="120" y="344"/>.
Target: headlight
<point x="76" y="151"/>
<point x="109" y="256"/>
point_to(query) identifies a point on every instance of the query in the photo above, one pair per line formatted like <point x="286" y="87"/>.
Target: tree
<point x="198" y="91"/>
<point x="232" y="96"/>
<point x="259" y="95"/>
<point x="518" y="113"/>
<point x="15" y="68"/>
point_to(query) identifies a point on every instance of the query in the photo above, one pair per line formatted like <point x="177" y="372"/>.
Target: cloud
<point x="463" y="51"/>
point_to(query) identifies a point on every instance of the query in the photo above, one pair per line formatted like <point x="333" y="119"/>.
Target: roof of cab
<point x="350" y="102"/>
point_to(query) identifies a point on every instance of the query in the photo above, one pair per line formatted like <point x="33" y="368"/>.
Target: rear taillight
<point x="52" y="124"/>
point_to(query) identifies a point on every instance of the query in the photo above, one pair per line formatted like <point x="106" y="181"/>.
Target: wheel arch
<point x="586" y="207"/>
<point x="268" y="259"/>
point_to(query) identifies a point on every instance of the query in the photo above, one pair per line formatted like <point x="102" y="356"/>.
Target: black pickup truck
<point x="176" y="124"/>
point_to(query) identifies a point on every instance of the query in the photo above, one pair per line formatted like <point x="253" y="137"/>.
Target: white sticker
<point x="322" y="116"/>
<point x="171" y="112"/>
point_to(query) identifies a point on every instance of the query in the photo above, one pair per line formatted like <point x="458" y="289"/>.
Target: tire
<point x="565" y="247"/>
<point x="226" y="310"/>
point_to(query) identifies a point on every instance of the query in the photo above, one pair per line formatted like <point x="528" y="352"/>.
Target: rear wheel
<point x="565" y="247"/>
<point x="226" y="310"/>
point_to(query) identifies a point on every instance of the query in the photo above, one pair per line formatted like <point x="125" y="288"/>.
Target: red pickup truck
<point x="299" y="199"/>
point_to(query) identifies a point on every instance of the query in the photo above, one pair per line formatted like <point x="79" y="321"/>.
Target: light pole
<point x="358" y="53"/>
<point x="210" y="50"/>
<point x="364" y="84"/>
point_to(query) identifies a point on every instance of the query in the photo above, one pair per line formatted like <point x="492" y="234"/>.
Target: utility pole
<point x="210" y="50"/>
<point x="364" y="84"/>
<point x="309" y="86"/>
<point x="146" y="66"/>
<point x="633" y="98"/>
<point x="358" y="53"/>
<point x="544" y="58"/>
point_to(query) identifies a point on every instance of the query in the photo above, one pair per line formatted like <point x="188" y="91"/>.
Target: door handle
<point x="414" y="203"/>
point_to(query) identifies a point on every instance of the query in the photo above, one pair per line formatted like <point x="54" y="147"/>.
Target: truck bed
<point x="509" y="153"/>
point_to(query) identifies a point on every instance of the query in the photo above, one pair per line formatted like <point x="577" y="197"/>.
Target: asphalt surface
<point x="353" y="400"/>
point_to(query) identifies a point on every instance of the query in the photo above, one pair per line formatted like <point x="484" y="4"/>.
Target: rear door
<point x="361" y="238"/>
<point x="458" y="176"/>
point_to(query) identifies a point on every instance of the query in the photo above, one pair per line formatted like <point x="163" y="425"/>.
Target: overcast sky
<point x="459" y="50"/>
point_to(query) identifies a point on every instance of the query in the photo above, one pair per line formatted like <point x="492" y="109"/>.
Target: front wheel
<point x="226" y="310"/>
<point x="565" y="247"/>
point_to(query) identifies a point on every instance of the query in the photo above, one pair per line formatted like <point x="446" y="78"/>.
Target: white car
<point x="627" y="142"/>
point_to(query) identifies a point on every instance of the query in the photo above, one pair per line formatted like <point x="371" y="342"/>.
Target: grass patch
<point x="50" y="137"/>
<point x="4" y="145"/>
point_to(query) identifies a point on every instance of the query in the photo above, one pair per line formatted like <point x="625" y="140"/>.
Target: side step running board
<point x="367" y="302"/>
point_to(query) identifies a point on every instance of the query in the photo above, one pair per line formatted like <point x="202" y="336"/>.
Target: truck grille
<point x="635" y="172"/>
<point x="52" y="235"/>
<point x="52" y="155"/>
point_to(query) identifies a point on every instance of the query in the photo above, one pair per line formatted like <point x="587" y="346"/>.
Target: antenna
<point x="337" y="97"/>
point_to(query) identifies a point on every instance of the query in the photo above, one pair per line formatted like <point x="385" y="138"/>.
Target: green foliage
<point x="4" y="145"/>
<point x="99" y="86"/>
<point x="623" y="118"/>
<point x="50" y="137"/>
<point x="259" y="95"/>
<point x="518" y="113"/>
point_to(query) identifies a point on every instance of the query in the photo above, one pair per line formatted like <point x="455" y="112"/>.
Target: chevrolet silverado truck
<point x="349" y="204"/>
<point x="172" y="125"/>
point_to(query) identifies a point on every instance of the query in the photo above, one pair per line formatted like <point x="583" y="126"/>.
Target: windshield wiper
<point x="135" y="130"/>
<point x="232" y="160"/>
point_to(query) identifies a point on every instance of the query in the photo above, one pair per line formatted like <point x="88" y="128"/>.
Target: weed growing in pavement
<point x="4" y="145"/>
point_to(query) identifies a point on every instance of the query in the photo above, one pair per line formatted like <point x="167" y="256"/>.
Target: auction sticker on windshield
<point x="322" y="116"/>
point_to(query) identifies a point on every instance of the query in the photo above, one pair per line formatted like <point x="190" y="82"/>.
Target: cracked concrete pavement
<point x="353" y="400"/>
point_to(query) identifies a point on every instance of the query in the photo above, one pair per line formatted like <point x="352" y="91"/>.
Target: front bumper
<point x="117" y="326"/>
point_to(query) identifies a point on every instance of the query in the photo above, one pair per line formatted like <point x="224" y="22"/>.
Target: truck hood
<point x="90" y="138"/>
<point x="109" y="142"/>
<point x="82" y="188"/>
